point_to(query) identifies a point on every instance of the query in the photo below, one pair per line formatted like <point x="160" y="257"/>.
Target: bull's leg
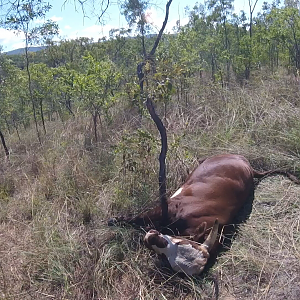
<point x="200" y="232"/>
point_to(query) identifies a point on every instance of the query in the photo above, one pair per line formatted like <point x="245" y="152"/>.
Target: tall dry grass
<point x="55" y="199"/>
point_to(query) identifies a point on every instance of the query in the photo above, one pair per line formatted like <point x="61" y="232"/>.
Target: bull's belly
<point x="186" y="218"/>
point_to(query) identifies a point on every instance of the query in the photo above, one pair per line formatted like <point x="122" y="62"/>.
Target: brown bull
<point x="216" y="190"/>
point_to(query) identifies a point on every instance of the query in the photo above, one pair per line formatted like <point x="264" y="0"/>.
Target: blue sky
<point x="73" y="24"/>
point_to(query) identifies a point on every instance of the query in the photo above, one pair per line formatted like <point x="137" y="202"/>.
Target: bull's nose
<point x="153" y="231"/>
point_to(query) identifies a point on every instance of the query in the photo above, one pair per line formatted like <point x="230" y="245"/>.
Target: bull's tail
<point x="292" y="177"/>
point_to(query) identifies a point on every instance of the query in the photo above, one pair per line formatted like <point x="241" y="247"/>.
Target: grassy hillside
<point x="55" y="200"/>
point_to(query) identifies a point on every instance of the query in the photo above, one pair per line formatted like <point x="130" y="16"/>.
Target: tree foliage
<point x="82" y="75"/>
<point x="96" y="87"/>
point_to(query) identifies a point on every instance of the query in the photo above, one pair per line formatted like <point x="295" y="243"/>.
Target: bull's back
<point x="227" y="166"/>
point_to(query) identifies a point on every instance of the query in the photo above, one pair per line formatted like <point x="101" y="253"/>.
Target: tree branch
<point x="152" y="52"/>
<point x="162" y="160"/>
<point x="103" y="11"/>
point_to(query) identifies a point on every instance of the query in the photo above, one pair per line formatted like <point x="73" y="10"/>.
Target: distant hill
<point x="22" y="50"/>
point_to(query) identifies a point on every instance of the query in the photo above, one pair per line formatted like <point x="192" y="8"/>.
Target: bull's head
<point x="183" y="255"/>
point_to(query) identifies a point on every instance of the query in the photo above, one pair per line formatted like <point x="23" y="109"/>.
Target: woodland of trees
<point x="217" y="46"/>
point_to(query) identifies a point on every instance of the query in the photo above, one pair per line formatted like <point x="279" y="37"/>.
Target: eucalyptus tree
<point x="220" y="13"/>
<point x="123" y="50"/>
<point x="42" y="82"/>
<point x="3" y="106"/>
<point x="240" y="46"/>
<point x="97" y="86"/>
<point x="211" y="34"/>
<point x="64" y="89"/>
<point x="14" y="104"/>
<point x="284" y="28"/>
<point x="179" y="62"/>
<point x="13" y="99"/>
<point x="265" y="48"/>
<point x="248" y="61"/>
<point x="20" y="17"/>
<point x="135" y="14"/>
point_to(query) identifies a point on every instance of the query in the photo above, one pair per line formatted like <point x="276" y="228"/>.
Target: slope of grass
<point x="55" y="200"/>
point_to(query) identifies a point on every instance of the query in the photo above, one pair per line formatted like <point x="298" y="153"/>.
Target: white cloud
<point x="39" y="21"/>
<point x="53" y="18"/>
<point x="156" y="19"/>
<point x="95" y="31"/>
<point x="9" y="39"/>
<point x="56" y="19"/>
<point x="99" y="31"/>
<point x="18" y="45"/>
<point x="172" y="23"/>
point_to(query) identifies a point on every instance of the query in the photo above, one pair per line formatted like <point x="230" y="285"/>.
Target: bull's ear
<point x="200" y="231"/>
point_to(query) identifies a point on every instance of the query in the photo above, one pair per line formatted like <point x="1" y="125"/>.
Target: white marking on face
<point x="182" y="258"/>
<point x="177" y="192"/>
<point x="170" y="251"/>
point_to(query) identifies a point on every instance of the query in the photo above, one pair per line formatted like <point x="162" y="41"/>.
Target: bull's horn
<point x="209" y="242"/>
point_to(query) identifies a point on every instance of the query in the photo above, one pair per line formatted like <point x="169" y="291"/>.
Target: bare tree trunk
<point x="95" y="115"/>
<point x="42" y="115"/>
<point x="69" y="105"/>
<point x="162" y="160"/>
<point x="4" y="144"/>
<point x="159" y="124"/>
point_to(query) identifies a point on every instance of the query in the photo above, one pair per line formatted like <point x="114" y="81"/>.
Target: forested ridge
<point x="216" y="46"/>
<point x="79" y="146"/>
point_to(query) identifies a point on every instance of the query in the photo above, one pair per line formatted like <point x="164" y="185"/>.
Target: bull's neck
<point x="151" y="217"/>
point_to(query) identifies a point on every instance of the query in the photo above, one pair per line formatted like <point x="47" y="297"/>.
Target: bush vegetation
<point x="56" y="199"/>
